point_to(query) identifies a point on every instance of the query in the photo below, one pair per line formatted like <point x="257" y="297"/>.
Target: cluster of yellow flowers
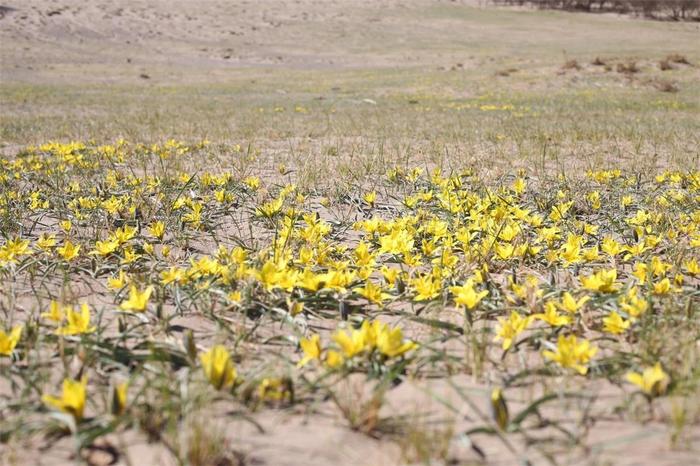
<point x="549" y="267"/>
<point x="371" y="339"/>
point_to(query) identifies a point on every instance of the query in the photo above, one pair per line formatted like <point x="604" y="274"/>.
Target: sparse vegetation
<point x="665" y="65"/>
<point x="435" y="252"/>
<point x="665" y="85"/>
<point x="628" y="68"/>
<point x="571" y="65"/>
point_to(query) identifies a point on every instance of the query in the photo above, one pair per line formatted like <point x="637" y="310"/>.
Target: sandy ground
<point x="210" y="34"/>
<point x="198" y="42"/>
<point x="46" y="38"/>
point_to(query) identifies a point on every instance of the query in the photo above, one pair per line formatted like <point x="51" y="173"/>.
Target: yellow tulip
<point x="570" y="353"/>
<point x="615" y="324"/>
<point x="72" y="400"/>
<point x="652" y="381"/>
<point x="8" y="341"/>
<point x="510" y="328"/>
<point x="312" y="349"/>
<point x="68" y="251"/>
<point x="466" y="295"/>
<point x="138" y="300"/>
<point x="218" y="367"/>
<point x="78" y="323"/>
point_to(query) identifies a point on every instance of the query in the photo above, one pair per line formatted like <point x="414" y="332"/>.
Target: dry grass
<point x="266" y="143"/>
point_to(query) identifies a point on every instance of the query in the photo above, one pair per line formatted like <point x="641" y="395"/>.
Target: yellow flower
<point x="270" y="209"/>
<point x="572" y="354"/>
<point x="130" y="256"/>
<point x="105" y="248"/>
<point x="9" y="341"/>
<point x="46" y="241"/>
<point x="119" y="401"/>
<point x="610" y="246"/>
<point x="594" y="198"/>
<point x="399" y="241"/>
<point x="218" y="367"/>
<point x="635" y="250"/>
<point x="370" y="198"/>
<point x="652" y="381"/>
<point x="504" y="250"/>
<point x="615" y="324"/>
<point x="559" y="211"/>
<point x="286" y="278"/>
<point x="659" y="267"/>
<point x="194" y="217"/>
<point x="275" y="389"/>
<point x="552" y="317"/>
<point x="235" y="297"/>
<point x="426" y="287"/>
<point x="571" y="250"/>
<point x="466" y="295"/>
<point x="312" y="349"/>
<point x="364" y="273"/>
<point x="55" y="312"/>
<point x="351" y="343"/>
<point x="363" y="256"/>
<point x="173" y="275"/>
<point x="275" y="275"/>
<point x="519" y="186"/>
<point x="253" y="182"/>
<point x="372" y="292"/>
<point x="640" y="272"/>
<point x="662" y="287"/>
<point x="391" y="343"/>
<point x="510" y="328"/>
<point x="157" y="229"/>
<point x="124" y="234"/>
<point x="72" y="400"/>
<point x="390" y="275"/>
<point x="334" y="359"/>
<point x="138" y="300"/>
<point x="412" y="260"/>
<point x="499" y="408"/>
<point x="294" y="307"/>
<point x="528" y="290"/>
<point x="692" y="267"/>
<point x="78" y="323"/>
<point x="116" y="283"/>
<point x="310" y="280"/>
<point x="569" y="304"/>
<point x="590" y="254"/>
<point x="632" y="304"/>
<point x="603" y="281"/>
<point x="640" y="218"/>
<point x="678" y="279"/>
<point x="68" y="251"/>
